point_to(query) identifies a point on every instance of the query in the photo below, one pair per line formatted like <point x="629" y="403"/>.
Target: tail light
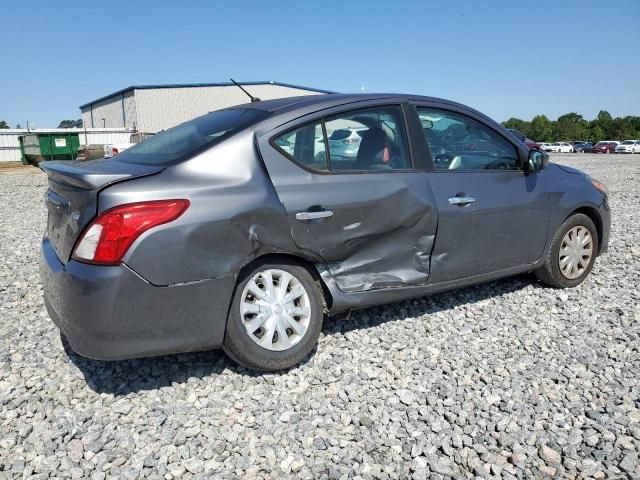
<point x="106" y="240"/>
<point x="114" y="151"/>
<point x="350" y="141"/>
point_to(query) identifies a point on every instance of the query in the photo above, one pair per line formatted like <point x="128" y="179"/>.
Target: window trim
<point x="421" y="105"/>
<point x="322" y="119"/>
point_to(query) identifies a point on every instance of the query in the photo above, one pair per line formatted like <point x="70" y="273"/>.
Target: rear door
<point x="369" y="216"/>
<point x="492" y="216"/>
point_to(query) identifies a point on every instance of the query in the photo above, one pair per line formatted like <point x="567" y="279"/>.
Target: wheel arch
<point x="593" y="214"/>
<point x="298" y="260"/>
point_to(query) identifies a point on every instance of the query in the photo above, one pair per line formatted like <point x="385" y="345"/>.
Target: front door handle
<point x="303" y="216"/>
<point x="461" y="201"/>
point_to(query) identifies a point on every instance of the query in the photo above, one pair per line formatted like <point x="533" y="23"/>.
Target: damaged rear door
<point x="360" y="207"/>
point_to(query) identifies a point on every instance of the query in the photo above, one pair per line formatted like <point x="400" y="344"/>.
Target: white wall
<point x="161" y="108"/>
<point x="111" y="111"/>
<point x="10" y="145"/>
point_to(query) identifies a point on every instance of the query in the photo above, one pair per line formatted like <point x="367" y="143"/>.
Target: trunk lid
<point x="72" y="197"/>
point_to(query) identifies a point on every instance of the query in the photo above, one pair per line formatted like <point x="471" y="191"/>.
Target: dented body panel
<point x="382" y="229"/>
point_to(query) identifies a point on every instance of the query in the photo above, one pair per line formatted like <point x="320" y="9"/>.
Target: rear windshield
<point x="189" y="138"/>
<point x="340" y="134"/>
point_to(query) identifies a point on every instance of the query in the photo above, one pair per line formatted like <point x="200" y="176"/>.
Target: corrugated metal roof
<point x="194" y="85"/>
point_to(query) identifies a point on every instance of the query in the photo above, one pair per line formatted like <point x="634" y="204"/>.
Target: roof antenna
<point x="253" y="99"/>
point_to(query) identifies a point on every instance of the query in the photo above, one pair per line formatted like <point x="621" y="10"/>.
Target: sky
<point x="504" y="58"/>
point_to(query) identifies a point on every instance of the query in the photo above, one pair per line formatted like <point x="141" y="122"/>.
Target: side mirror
<point x="537" y="161"/>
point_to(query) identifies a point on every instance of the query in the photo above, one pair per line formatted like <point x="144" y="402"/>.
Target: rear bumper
<point x="111" y="313"/>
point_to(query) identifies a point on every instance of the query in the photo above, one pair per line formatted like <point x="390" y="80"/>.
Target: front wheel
<point x="275" y="317"/>
<point x="572" y="253"/>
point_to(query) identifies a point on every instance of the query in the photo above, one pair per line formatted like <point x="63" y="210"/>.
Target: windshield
<point x="628" y="142"/>
<point x="191" y="137"/>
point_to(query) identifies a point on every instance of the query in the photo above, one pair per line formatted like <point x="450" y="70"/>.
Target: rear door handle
<point x="461" y="201"/>
<point x="314" y="215"/>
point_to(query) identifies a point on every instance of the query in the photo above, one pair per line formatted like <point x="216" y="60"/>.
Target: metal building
<point x="151" y="108"/>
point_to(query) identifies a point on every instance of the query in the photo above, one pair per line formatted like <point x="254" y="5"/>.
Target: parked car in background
<point x="90" y="152"/>
<point x="543" y="146"/>
<point x="213" y="234"/>
<point x="113" y="149"/>
<point x="560" y="147"/>
<point x="606" y="146"/>
<point x="344" y="142"/>
<point x="524" y="139"/>
<point x="582" y="147"/>
<point x="629" y="146"/>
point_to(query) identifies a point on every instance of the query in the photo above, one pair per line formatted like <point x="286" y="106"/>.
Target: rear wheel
<point x="572" y="254"/>
<point x="275" y="317"/>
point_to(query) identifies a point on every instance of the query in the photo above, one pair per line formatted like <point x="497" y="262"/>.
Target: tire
<point x="243" y="347"/>
<point x="550" y="272"/>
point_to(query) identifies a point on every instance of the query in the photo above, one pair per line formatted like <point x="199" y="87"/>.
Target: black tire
<point x="550" y="272"/>
<point x="243" y="350"/>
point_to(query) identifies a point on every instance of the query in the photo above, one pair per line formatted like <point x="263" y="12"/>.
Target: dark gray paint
<point x="393" y="234"/>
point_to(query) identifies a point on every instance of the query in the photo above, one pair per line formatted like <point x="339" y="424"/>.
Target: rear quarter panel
<point x="234" y="216"/>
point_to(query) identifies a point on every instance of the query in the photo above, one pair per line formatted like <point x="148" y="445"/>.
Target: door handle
<point x="314" y="215"/>
<point x="461" y="201"/>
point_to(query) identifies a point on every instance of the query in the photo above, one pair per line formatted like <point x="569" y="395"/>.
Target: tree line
<point x="572" y="126"/>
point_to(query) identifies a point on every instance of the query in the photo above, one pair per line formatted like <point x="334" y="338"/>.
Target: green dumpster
<point x="37" y="147"/>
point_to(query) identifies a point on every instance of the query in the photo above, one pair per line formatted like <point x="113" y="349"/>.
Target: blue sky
<point x="505" y="58"/>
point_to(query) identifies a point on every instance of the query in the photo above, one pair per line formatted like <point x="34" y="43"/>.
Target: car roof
<point x="285" y="109"/>
<point x="287" y="104"/>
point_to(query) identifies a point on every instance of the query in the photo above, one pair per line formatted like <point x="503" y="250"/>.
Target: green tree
<point x="4" y="124"/>
<point x="596" y="133"/>
<point x="522" y="126"/>
<point x="67" y="124"/>
<point x="570" y="126"/>
<point x="541" y="129"/>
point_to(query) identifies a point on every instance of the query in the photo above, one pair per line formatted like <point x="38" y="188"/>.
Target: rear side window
<point x="189" y="138"/>
<point x="372" y="139"/>
<point x="306" y="145"/>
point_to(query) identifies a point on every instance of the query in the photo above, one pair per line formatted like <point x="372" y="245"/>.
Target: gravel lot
<point x="507" y="379"/>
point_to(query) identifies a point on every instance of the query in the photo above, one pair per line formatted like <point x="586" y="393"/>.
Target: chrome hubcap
<point x="275" y="309"/>
<point x="576" y="251"/>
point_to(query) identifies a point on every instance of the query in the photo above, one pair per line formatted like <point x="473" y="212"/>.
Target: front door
<point x="365" y="213"/>
<point x="492" y="216"/>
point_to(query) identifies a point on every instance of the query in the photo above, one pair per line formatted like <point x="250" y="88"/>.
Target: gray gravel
<point x="504" y="380"/>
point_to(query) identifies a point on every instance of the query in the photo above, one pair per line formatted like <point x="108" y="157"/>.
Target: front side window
<point x="458" y="142"/>
<point x="371" y="139"/>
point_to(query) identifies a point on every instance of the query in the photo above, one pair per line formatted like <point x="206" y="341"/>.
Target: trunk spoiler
<point x="95" y="174"/>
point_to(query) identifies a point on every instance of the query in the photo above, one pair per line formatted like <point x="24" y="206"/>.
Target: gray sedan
<point x="230" y="231"/>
